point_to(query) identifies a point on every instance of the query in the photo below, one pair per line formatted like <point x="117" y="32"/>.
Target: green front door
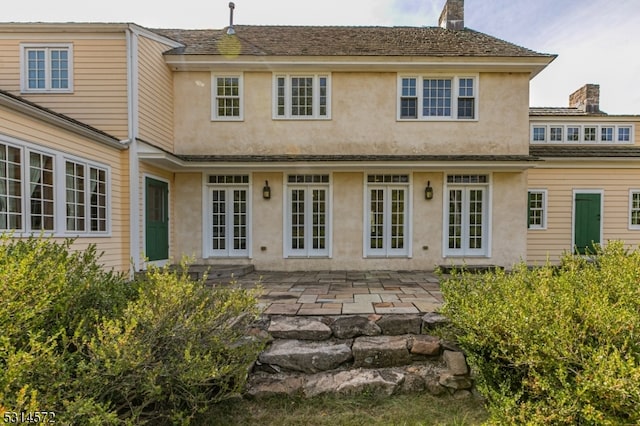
<point x="156" y="219"/>
<point x="587" y="222"/>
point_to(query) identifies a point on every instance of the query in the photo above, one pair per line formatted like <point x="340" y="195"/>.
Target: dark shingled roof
<point x="257" y="40"/>
<point x="563" y="112"/>
<point x="588" y="151"/>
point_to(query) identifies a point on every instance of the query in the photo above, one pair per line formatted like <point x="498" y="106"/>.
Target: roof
<point x="572" y="112"/>
<point x="33" y="109"/>
<point x="258" y="40"/>
<point x="587" y="151"/>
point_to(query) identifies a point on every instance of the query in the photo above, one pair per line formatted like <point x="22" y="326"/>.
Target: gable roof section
<point x="258" y="40"/>
<point x="39" y="112"/>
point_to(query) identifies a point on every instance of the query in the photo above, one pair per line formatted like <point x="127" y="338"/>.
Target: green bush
<point x="177" y="349"/>
<point x="97" y="349"/>
<point x="554" y="345"/>
<point x="48" y="293"/>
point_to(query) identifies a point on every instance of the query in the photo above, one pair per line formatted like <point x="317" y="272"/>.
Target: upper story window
<point x="47" y="67"/>
<point x="437" y="98"/>
<point x="587" y="133"/>
<point x="305" y="96"/>
<point x="227" y="97"/>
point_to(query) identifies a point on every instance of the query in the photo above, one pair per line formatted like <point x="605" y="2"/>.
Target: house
<point x="73" y="99"/>
<point x="291" y="148"/>
<point x="586" y="189"/>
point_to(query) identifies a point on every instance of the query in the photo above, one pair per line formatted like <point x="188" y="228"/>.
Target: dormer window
<point x="47" y="68"/>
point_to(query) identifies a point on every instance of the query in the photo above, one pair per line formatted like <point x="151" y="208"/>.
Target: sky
<point x="597" y="41"/>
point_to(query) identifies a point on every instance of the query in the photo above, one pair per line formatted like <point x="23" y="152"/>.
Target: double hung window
<point x="227" y="96"/>
<point x="634" y="209"/>
<point x="302" y="96"/>
<point x="47" y="68"/>
<point x="537" y="209"/>
<point x="437" y="98"/>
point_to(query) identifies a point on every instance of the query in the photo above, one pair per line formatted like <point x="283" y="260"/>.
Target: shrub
<point x="177" y="349"/>
<point x="554" y="345"/>
<point x="97" y="349"/>
<point x="48" y="292"/>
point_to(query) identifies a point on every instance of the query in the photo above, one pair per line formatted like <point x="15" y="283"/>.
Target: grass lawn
<point x="410" y="410"/>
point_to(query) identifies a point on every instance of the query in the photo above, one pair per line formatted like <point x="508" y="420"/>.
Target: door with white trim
<point x="229" y="221"/>
<point x="466" y="230"/>
<point x="387" y="220"/>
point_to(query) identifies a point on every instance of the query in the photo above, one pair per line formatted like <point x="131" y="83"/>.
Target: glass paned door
<point x="308" y="221"/>
<point x="387" y="221"/>
<point x="466" y="217"/>
<point x="229" y="222"/>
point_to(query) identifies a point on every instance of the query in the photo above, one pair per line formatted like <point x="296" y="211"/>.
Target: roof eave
<point x="531" y="65"/>
<point x="62" y="122"/>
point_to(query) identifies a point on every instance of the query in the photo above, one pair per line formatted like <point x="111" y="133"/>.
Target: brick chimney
<point x="586" y="98"/>
<point x="452" y="16"/>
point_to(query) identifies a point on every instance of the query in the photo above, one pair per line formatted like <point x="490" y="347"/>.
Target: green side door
<point x="156" y="219"/>
<point x="587" y="222"/>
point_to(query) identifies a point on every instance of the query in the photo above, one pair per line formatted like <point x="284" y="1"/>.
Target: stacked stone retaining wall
<point x="348" y="355"/>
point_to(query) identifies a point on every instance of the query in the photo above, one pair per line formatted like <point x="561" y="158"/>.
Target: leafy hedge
<point x="554" y="345"/>
<point x="97" y="349"/>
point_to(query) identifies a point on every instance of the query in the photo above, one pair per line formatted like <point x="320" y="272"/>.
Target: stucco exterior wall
<point x="552" y="242"/>
<point x="508" y="196"/>
<point x="363" y="120"/>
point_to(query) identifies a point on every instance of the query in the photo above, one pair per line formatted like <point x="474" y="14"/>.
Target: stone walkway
<point x="346" y="292"/>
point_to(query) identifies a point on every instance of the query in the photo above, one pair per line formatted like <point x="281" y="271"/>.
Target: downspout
<point x="134" y="169"/>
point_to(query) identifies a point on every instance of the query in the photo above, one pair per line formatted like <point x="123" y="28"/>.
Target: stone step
<point x="216" y="273"/>
<point x="346" y="354"/>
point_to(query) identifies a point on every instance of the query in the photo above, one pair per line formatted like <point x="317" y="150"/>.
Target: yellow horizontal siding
<point x="560" y="184"/>
<point x="99" y="95"/>
<point x="155" y="87"/>
<point x="39" y="134"/>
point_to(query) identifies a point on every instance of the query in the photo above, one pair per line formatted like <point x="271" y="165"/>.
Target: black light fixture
<point x="428" y="191"/>
<point x="266" y="190"/>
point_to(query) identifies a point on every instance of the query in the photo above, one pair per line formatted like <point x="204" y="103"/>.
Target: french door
<point x="229" y="232"/>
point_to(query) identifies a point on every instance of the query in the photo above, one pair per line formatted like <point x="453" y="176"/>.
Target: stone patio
<point x="345" y="292"/>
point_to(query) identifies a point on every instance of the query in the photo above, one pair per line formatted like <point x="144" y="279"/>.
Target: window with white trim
<point x="86" y="197"/>
<point x="467" y="220"/>
<point x="29" y="178"/>
<point x="387" y="204"/>
<point x="308" y="215"/>
<point x="582" y="134"/>
<point x="227" y="97"/>
<point x="47" y="67"/>
<point x="229" y="215"/>
<point x="437" y="97"/>
<point x="537" y="209"/>
<point x="302" y="96"/>
<point x="634" y="209"/>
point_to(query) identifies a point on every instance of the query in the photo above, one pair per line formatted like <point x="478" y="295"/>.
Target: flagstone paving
<point x="345" y="292"/>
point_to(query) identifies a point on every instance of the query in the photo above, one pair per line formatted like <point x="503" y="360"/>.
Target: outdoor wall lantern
<point x="266" y="191"/>
<point x="428" y="191"/>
